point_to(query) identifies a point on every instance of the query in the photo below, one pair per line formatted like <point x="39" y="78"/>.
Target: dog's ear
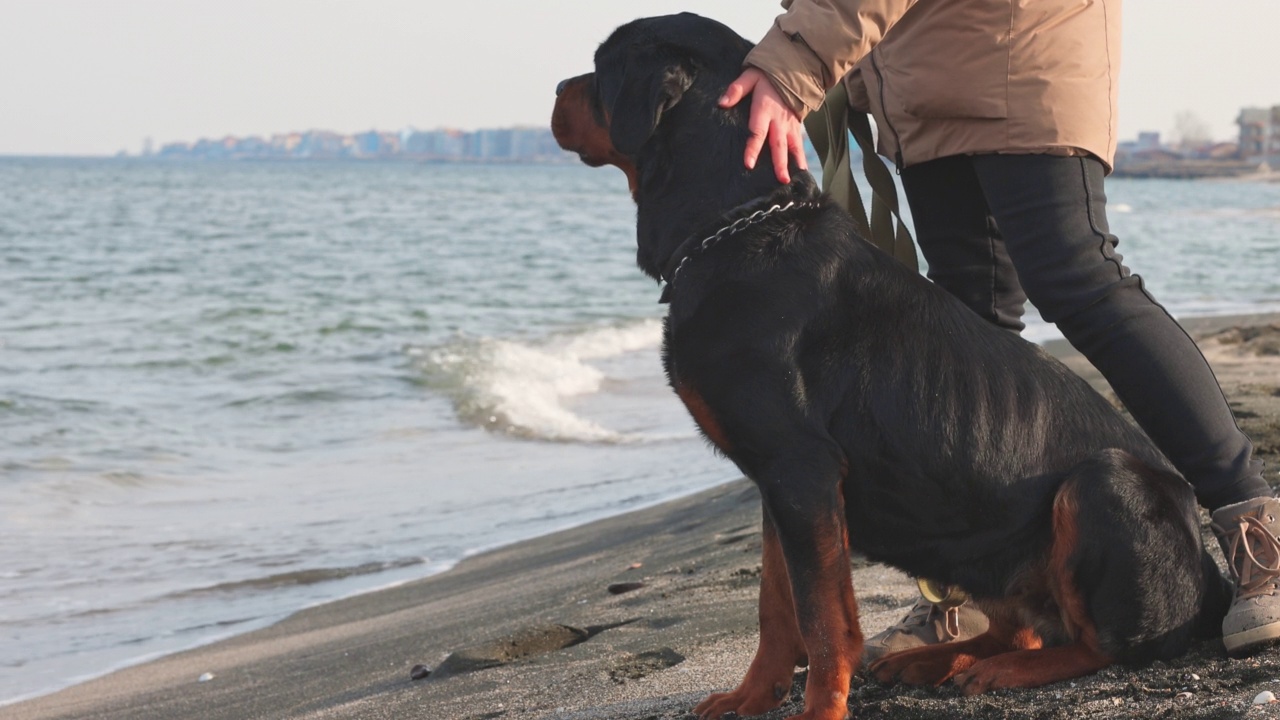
<point x="650" y="84"/>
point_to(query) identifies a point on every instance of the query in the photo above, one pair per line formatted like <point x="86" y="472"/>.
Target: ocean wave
<point x="522" y="388"/>
<point x="310" y="576"/>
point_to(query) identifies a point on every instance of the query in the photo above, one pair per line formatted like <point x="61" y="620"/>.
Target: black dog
<point x="873" y="410"/>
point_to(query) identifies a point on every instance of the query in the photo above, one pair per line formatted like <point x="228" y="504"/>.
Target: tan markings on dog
<point x="703" y="416"/>
<point x="575" y="127"/>
<point x="834" y="640"/>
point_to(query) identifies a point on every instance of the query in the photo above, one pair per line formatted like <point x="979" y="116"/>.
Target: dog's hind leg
<point x="1139" y="564"/>
<point x="781" y="649"/>
<point x="1083" y="654"/>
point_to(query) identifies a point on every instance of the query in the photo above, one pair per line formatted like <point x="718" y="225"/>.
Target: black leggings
<point x="999" y="229"/>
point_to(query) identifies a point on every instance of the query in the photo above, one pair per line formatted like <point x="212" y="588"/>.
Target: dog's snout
<point x="560" y="87"/>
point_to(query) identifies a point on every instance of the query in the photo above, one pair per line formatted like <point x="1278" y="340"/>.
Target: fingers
<point x="778" y="144"/>
<point x="795" y="147"/>
<point x="771" y="122"/>
<point x="740" y="88"/>
<point x="759" y="126"/>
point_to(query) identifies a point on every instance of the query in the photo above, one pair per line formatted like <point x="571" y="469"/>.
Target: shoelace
<point x="922" y="612"/>
<point x="1257" y="576"/>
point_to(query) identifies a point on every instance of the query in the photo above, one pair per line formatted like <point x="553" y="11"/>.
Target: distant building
<point x="450" y="144"/>
<point x="376" y="144"/>
<point x="443" y="144"/>
<point x="491" y="144"/>
<point x="527" y="142"/>
<point x="251" y="147"/>
<point x="1148" y="140"/>
<point x="419" y="143"/>
<point x="1260" y="134"/>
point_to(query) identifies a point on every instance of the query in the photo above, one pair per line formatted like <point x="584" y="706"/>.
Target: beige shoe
<point x="926" y="624"/>
<point x="1247" y="532"/>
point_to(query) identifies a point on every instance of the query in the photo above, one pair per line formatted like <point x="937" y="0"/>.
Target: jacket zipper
<point x="897" y="139"/>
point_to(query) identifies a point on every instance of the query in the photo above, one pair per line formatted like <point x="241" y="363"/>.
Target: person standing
<point x="1001" y="118"/>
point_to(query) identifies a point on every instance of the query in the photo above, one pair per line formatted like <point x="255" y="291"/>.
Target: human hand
<point x="771" y="121"/>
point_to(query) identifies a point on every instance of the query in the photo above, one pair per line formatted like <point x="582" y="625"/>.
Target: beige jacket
<point x="951" y="77"/>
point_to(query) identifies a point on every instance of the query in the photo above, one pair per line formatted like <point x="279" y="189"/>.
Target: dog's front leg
<point x="803" y="496"/>
<point x="781" y="648"/>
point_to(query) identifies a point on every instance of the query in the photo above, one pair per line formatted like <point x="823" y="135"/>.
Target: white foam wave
<point x="613" y="341"/>
<point x="522" y="388"/>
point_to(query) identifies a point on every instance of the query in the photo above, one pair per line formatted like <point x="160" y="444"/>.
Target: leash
<point x="829" y="128"/>
<point x="692" y="246"/>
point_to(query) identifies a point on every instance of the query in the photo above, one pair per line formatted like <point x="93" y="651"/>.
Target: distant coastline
<point x="491" y="145"/>
<point x="511" y="145"/>
<point x="1145" y="158"/>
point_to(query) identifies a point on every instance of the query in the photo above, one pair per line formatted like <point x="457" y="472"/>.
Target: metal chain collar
<point x="733" y="227"/>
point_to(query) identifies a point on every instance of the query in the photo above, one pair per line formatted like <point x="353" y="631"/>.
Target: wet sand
<point x="535" y="632"/>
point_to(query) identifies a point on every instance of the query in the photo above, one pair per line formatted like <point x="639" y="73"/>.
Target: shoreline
<point x="652" y="652"/>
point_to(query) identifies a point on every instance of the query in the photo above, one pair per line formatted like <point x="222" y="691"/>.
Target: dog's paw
<point x="755" y="699"/>
<point x="989" y="674"/>
<point x="920" y="666"/>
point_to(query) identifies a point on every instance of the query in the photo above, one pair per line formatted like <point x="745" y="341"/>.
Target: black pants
<point x="999" y="229"/>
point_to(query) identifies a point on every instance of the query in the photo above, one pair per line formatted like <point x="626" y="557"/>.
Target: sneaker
<point x="927" y="623"/>
<point x="1247" y="533"/>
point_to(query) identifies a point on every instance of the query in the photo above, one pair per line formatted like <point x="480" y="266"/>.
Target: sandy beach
<point x="637" y="617"/>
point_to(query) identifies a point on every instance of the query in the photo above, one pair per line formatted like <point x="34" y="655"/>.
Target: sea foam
<point x="524" y="388"/>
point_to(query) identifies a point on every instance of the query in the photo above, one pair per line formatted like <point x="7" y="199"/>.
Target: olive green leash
<point x="828" y="128"/>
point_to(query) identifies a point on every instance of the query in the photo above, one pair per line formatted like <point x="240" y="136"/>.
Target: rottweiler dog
<point x="874" y="411"/>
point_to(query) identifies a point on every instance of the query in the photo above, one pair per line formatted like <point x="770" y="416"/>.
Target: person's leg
<point x="960" y="241"/>
<point x="1052" y="211"/>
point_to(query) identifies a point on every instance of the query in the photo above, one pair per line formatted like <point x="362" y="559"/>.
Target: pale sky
<point x="97" y="76"/>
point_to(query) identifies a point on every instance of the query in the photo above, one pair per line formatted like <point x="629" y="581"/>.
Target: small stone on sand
<point x="624" y="587"/>
<point x="1264" y="697"/>
<point x="419" y="672"/>
<point x="206" y="677"/>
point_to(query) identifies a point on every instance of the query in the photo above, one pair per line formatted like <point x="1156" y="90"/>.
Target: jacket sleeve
<point x="816" y="42"/>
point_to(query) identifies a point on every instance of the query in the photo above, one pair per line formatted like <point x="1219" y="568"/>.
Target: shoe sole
<point x="1244" y="643"/>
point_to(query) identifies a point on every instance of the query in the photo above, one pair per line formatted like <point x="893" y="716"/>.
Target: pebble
<point x="419" y="672"/>
<point x="624" y="587"/>
<point x="1264" y="697"/>
<point x="1183" y="697"/>
<point x="205" y="677"/>
<point x="635" y="566"/>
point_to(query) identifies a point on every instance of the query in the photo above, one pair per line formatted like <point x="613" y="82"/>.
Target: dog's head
<point x="650" y="108"/>
<point x="642" y="72"/>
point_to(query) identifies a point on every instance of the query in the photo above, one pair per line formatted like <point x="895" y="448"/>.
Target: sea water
<point x="232" y="390"/>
